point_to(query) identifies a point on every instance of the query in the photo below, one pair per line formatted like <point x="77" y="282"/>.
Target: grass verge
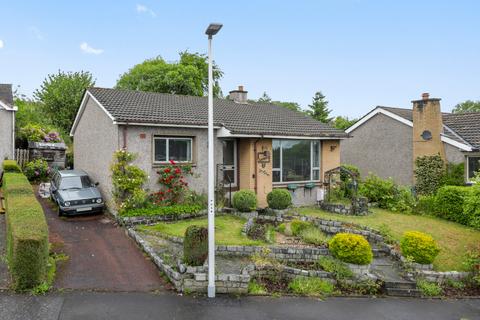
<point x="228" y="230"/>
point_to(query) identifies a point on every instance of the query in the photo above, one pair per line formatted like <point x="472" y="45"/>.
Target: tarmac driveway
<point x="101" y="256"/>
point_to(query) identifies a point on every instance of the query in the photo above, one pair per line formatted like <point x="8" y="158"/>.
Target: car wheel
<point x="60" y="212"/>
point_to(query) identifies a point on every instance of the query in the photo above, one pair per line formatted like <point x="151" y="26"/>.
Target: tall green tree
<point x="467" y="106"/>
<point x="319" y="108"/>
<point x="187" y="76"/>
<point x="343" y="122"/>
<point x="61" y="95"/>
<point x="265" y="98"/>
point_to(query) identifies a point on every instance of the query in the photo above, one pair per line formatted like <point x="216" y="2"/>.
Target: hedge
<point x="27" y="233"/>
<point x="195" y="245"/>
<point x="471" y="207"/>
<point x="449" y="203"/>
<point x="174" y="210"/>
<point x="11" y="166"/>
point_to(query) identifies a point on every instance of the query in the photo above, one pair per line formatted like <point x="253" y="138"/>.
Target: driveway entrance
<point x="101" y="256"/>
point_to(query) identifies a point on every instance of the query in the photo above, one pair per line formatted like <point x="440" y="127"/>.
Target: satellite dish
<point x="426" y="135"/>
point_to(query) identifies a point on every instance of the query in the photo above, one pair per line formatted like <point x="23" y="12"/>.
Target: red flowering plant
<point x="172" y="183"/>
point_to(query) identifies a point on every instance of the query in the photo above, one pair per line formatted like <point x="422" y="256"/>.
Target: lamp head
<point x="213" y="29"/>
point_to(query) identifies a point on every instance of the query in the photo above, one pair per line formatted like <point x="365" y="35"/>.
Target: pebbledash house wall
<point x="140" y="141"/>
<point x="95" y="141"/>
<point x="384" y="146"/>
<point x="6" y="147"/>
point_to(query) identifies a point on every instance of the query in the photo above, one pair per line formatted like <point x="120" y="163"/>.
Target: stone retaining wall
<point x="194" y="279"/>
<point x="132" y="221"/>
<point x="413" y="270"/>
<point x="309" y="254"/>
<point x="440" y="277"/>
<point x="342" y="209"/>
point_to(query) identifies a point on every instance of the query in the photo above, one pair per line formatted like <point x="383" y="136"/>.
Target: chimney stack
<point x="239" y="95"/>
<point x="427" y="127"/>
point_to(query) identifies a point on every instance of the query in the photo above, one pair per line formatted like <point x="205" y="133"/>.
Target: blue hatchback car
<point x="74" y="193"/>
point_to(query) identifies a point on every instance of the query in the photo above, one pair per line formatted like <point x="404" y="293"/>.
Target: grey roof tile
<point x="251" y="118"/>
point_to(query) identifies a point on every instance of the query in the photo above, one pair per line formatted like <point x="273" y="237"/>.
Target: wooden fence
<point x="21" y="155"/>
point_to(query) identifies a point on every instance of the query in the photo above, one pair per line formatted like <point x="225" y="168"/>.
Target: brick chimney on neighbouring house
<point x="6" y="93"/>
<point x="427" y="127"/>
<point x="239" y="95"/>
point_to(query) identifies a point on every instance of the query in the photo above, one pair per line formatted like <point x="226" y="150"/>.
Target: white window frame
<point x="467" y="173"/>
<point x="167" y="151"/>
<point x="235" y="165"/>
<point x="312" y="168"/>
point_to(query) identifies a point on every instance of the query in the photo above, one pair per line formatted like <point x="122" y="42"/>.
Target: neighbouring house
<point x="7" y="122"/>
<point x="257" y="146"/>
<point x="386" y="141"/>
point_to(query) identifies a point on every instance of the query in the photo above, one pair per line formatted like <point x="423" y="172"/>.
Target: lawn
<point x="228" y="230"/>
<point x="454" y="239"/>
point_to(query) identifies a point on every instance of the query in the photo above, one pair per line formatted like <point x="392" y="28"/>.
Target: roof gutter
<point x="146" y="124"/>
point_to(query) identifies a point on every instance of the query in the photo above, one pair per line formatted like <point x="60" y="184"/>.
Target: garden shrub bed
<point x="453" y="239"/>
<point x="27" y="233"/>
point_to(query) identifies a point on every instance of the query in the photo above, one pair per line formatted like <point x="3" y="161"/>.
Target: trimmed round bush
<point x="279" y="199"/>
<point x="297" y="226"/>
<point x="195" y="245"/>
<point x="419" y="246"/>
<point x="351" y="248"/>
<point x="245" y="200"/>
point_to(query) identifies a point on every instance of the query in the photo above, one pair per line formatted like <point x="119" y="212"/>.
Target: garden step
<point x="400" y="285"/>
<point x="377" y="253"/>
<point x="403" y="292"/>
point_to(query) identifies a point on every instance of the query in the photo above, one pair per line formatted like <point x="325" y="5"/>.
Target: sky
<point x="359" y="53"/>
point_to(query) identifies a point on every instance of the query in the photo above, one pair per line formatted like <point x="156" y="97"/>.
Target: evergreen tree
<point x="319" y="108"/>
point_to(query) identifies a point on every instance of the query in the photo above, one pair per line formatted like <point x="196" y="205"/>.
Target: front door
<point x="230" y="163"/>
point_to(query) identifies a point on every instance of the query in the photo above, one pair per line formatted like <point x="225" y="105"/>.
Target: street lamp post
<point x="212" y="30"/>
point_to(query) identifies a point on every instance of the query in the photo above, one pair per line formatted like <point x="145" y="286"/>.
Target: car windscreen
<point x="75" y="183"/>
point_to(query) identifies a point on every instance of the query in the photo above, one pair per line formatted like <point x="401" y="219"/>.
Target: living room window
<point x="295" y="160"/>
<point x="172" y="148"/>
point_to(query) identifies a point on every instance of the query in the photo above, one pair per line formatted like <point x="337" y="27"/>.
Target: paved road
<point x="120" y="306"/>
<point x="101" y="255"/>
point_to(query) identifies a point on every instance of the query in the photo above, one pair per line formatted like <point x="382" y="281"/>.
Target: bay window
<point x="172" y="148"/>
<point x="295" y="160"/>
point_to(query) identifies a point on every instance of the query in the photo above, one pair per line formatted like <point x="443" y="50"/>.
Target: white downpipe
<point x="211" y="179"/>
<point x="13" y="135"/>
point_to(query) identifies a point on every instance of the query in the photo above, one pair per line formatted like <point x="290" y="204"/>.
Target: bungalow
<point x="7" y="122"/>
<point x="386" y="141"/>
<point x="257" y="146"/>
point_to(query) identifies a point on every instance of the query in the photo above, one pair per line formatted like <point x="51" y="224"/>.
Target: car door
<point x="54" y="186"/>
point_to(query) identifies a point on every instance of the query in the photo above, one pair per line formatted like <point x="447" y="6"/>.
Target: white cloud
<point x="144" y="9"/>
<point x="1" y="44"/>
<point x="86" y="48"/>
<point x="37" y="33"/>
